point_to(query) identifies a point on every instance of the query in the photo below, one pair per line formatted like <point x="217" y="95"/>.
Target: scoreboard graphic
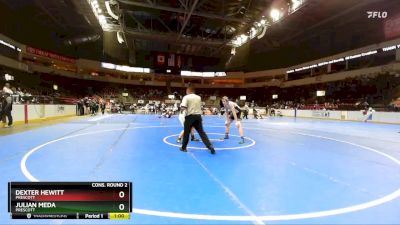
<point x="70" y="200"/>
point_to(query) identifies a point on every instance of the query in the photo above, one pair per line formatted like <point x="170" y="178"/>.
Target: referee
<point x="191" y="104"/>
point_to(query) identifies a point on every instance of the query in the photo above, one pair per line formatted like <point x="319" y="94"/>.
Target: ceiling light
<point x="102" y="19"/>
<point x="295" y="4"/>
<point x="275" y="14"/>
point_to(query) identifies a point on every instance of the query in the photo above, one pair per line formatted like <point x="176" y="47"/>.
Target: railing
<point x="43" y="99"/>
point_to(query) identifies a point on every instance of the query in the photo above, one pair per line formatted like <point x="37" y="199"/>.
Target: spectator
<point x="81" y="110"/>
<point x="245" y="111"/>
<point x="7" y="105"/>
<point x="2" y="102"/>
<point x="7" y="89"/>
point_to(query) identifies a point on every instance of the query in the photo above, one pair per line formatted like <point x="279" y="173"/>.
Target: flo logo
<point x="377" y="14"/>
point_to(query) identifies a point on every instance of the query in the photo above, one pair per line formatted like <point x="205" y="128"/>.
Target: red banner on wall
<point x="50" y="55"/>
<point x="160" y="59"/>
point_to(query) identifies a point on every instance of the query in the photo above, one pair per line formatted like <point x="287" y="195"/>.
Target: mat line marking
<point x="336" y="140"/>
<point x="22" y="152"/>
<point x="101" y="118"/>
<point x="331" y="178"/>
<point x="109" y="151"/>
<point x="354" y="208"/>
<point x="252" y="142"/>
<point x="29" y="153"/>
<point x="230" y="193"/>
<point x="66" y="135"/>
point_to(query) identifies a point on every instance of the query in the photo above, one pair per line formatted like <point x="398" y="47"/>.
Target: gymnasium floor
<point x="290" y="171"/>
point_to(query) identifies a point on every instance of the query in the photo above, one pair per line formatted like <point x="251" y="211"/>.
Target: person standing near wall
<point x="2" y="102"/>
<point x="245" y="111"/>
<point x="7" y="105"/>
<point x="102" y="107"/>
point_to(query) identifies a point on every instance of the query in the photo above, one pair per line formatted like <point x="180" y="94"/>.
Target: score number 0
<point x="121" y="195"/>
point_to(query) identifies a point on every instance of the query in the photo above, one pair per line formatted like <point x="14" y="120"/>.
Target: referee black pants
<point x="245" y="113"/>
<point x="7" y="113"/>
<point x="196" y="122"/>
